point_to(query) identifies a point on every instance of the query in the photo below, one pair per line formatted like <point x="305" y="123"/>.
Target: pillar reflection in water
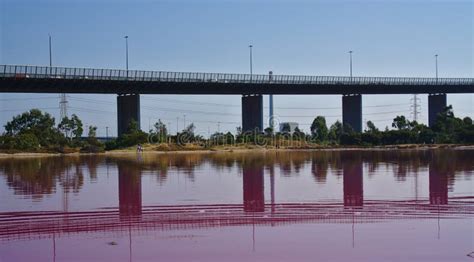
<point x="254" y="199"/>
<point x="353" y="182"/>
<point x="130" y="191"/>
<point x="438" y="184"/>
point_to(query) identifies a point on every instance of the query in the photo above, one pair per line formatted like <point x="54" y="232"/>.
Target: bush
<point x="88" y="148"/>
<point x="26" y="141"/>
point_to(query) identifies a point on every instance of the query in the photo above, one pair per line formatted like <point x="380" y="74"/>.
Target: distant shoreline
<point x="149" y="150"/>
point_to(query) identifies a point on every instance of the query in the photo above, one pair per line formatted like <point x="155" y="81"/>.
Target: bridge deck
<point x="40" y="79"/>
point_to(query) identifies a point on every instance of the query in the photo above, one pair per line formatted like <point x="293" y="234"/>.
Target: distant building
<point x="288" y="127"/>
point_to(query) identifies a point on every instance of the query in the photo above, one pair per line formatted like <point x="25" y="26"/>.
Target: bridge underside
<point x="31" y="85"/>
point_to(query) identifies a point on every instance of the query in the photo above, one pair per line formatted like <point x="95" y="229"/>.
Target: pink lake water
<point x="274" y="206"/>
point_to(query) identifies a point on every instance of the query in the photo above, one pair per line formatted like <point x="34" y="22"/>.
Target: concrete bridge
<point x="129" y="84"/>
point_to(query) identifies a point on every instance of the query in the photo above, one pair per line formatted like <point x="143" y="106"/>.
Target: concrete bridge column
<point x="252" y="113"/>
<point x="436" y="104"/>
<point x="352" y="111"/>
<point x="128" y="109"/>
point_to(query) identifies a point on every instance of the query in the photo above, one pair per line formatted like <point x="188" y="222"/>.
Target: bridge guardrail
<point x="42" y="72"/>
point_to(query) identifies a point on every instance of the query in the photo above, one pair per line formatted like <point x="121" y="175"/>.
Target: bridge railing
<point x="42" y="72"/>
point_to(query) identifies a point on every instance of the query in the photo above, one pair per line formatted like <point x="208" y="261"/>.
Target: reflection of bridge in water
<point x="132" y="216"/>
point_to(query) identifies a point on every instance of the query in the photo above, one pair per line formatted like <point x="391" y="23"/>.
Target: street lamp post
<point x="126" y="53"/>
<point x="177" y="126"/>
<point x="436" y="66"/>
<point x="251" y="64"/>
<point x="50" y="53"/>
<point x="350" y="62"/>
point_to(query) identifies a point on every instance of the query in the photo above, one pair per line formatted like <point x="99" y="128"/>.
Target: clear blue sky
<point x="389" y="38"/>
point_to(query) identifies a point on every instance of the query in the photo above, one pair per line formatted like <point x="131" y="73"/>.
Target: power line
<point x="366" y="114"/>
<point x="220" y="113"/>
<point x="27" y="98"/>
<point x="235" y="105"/>
<point x="16" y="110"/>
<point x="98" y="111"/>
<point x="161" y="108"/>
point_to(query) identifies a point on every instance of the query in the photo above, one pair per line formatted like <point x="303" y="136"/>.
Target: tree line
<point x="35" y="130"/>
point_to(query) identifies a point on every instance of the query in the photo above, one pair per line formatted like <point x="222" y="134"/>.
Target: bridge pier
<point x="352" y="111"/>
<point x="436" y="104"/>
<point x="128" y="109"/>
<point x="252" y="113"/>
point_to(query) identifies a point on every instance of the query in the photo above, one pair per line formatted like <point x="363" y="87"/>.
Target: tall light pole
<point x="177" y="126"/>
<point x="251" y="64"/>
<point x="350" y="62"/>
<point x="126" y="53"/>
<point x="436" y="65"/>
<point x="50" y="53"/>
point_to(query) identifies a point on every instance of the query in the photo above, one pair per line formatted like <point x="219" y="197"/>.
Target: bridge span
<point x="129" y="84"/>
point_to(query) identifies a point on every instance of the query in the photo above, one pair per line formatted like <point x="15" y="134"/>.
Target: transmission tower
<point x="63" y="105"/>
<point x="415" y="107"/>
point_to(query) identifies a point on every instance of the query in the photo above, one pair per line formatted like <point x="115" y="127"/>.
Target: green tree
<point x="467" y="121"/>
<point x="37" y="123"/>
<point x="335" y="131"/>
<point x="285" y="128"/>
<point x="298" y="134"/>
<point x="447" y="126"/>
<point x="319" y="129"/>
<point x="400" y="122"/>
<point x="190" y="129"/>
<point x="92" y="136"/>
<point x="92" y="145"/>
<point x="132" y="137"/>
<point x="371" y="128"/>
<point x="26" y="141"/>
<point x="71" y="127"/>
<point x="161" y="131"/>
<point x="268" y="131"/>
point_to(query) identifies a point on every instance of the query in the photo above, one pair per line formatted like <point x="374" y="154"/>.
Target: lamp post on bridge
<point x="50" y="53"/>
<point x="350" y="63"/>
<point x="251" y="65"/>
<point x="436" y="66"/>
<point x="126" y="53"/>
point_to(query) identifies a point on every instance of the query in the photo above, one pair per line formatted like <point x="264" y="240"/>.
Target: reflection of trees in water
<point x="292" y="163"/>
<point x="71" y="178"/>
<point x="38" y="176"/>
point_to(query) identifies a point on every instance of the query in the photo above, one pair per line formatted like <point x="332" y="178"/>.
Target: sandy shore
<point x="242" y="150"/>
